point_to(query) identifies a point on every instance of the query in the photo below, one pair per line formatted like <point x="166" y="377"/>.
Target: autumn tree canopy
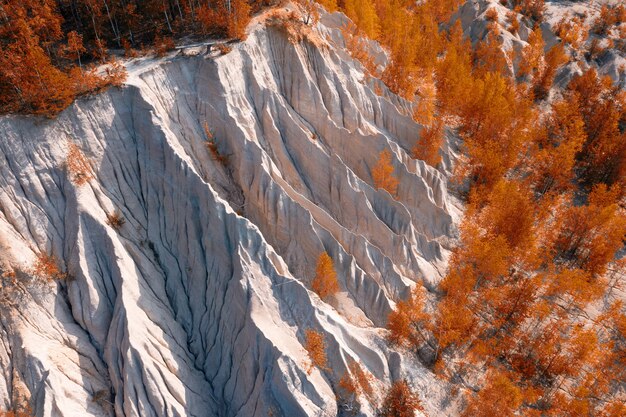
<point x="545" y="214"/>
<point x="400" y="401"/>
<point x="315" y="346"/>
<point x="325" y="283"/>
<point x="48" y="47"/>
<point x="383" y="173"/>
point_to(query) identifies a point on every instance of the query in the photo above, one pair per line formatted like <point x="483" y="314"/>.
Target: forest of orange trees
<point x="528" y="300"/>
<point x="526" y="319"/>
<point x="49" y="49"/>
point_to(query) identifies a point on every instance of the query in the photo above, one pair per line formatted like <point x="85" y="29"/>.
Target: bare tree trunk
<point x="116" y="32"/>
<point x="180" y="11"/>
<point x="167" y="19"/>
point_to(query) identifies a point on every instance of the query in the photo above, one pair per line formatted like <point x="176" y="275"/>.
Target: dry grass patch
<point x="77" y="166"/>
<point x="116" y="220"/>
<point x="46" y="267"/>
<point x="211" y="144"/>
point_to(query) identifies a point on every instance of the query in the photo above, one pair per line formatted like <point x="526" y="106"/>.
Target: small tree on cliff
<point x="400" y="401"/>
<point x="315" y="346"/>
<point x="309" y="11"/>
<point x="325" y="282"/>
<point x="75" y="46"/>
<point x="382" y="174"/>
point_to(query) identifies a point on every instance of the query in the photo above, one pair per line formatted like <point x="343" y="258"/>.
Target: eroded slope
<point x="197" y="305"/>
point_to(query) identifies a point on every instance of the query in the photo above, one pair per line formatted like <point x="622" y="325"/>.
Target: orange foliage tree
<point x="532" y="54"/>
<point x="115" y="74"/>
<point x="603" y="108"/>
<point x="491" y="117"/>
<point x="453" y="73"/>
<point x="400" y="401"/>
<point x="588" y="236"/>
<point x="609" y="16"/>
<point x="75" y="46"/>
<point x="238" y="19"/>
<point x="489" y="56"/>
<point x="356" y="381"/>
<point x="491" y="14"/>
<point x="28" y="80"/>
<point x="513" y="20"/>
<point x="310" y="15"/>
<point x="485" y="298"/>
<point x="163" y="45"/>
<point x="315" y="346"/>
<point x="431" y="140"/>
<point x="409" y="324"/>
<point x="212" y="21"/>
<point x="532" y="9"/>
<point x="363" y="14"/>
<point x="382" y="174"/>
<point x="325" y="283"/>
<point x="555" y="148"/>
<point x="543" y="81"/>
<point x="358" y="47"/>
<point x="499" y="397"/>
<point x="572" y="30"/>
